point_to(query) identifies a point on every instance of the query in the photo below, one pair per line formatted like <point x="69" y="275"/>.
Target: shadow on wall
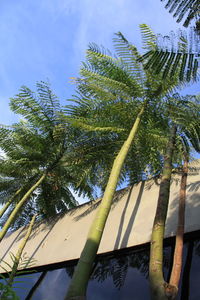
<point x="131" y="220"/>
<point x="192" y="210"/>
<point x="40" y="244"/>
<point x="36" y="229"/>
<point x="194" y="186"/>
<point x="12" y="243"/>
<point x="29" y="259"/>
<point x="93" y="205"/>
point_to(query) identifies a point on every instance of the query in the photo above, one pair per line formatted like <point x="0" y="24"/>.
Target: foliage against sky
<point x="47" y="39"/>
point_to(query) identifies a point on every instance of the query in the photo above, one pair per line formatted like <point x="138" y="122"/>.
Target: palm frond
<point x="175" y="55"/>
<point x="129" y="55"/>
<point x="148" y="37"/>
<point x="83" y="123"/>
<point x="184" y="10"/>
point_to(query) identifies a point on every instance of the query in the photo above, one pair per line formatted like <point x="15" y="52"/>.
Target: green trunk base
<point x="163" y="291"/>
<point x="158" y="291"/>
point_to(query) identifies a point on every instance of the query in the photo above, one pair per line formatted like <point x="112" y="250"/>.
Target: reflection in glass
<point x="120" y="276"/>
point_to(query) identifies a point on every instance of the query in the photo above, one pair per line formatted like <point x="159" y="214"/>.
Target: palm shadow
<point x="133" y="215"/>
<point x="131" y="220"/>
<point x="94" y="204"/>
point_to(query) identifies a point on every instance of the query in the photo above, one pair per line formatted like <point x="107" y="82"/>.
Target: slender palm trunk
<point x="9" y="202"/>
<point x="19" y="252"/>
<point x="79" y="282"/>
<point x="157" y="283"/>
<point x="18" y="207"/>
<point x="178" y="253"/>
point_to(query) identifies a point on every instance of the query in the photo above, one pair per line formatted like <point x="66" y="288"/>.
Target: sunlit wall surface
<point x="122" y="276"/>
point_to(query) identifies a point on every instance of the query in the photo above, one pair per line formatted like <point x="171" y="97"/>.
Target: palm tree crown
<point x="39" y="144"/>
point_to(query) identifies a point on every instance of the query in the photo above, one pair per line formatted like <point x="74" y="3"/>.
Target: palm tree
<point x="177" y="53"/>
<point x="13" y="181"/>
<point x="34" y="150"/>
<point x="18" y="207"/>
<point x="184" y="123"/>
<point x="178" y="251"/>
<point x="156" y="250"/>
<point x="117" y="80"/>
<point x="8" y="202"/>
<point x="184" y="9"/>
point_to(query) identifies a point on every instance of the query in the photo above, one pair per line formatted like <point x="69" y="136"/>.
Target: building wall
<point x="129" y="223"/>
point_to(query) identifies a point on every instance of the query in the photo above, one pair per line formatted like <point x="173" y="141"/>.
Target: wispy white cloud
<point x="47" y="39"/>
<point x="99" y="20"/>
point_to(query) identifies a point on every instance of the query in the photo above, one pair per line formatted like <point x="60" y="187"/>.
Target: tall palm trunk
<point x="178" y="253"/>
<point x="18" y="207"/>
<point x="9" y="202"/>
<point x="79" y="282"/>
<point x="157" y="283"/>
<point x="19" y="252"/>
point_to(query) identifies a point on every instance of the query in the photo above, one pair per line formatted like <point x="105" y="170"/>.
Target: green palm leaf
<point x="183" y="10"/>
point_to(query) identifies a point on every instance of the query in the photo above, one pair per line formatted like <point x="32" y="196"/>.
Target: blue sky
<point x="47" y="39"/>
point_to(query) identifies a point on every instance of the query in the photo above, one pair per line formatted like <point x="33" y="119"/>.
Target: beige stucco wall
<point x="129" y="223"/>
